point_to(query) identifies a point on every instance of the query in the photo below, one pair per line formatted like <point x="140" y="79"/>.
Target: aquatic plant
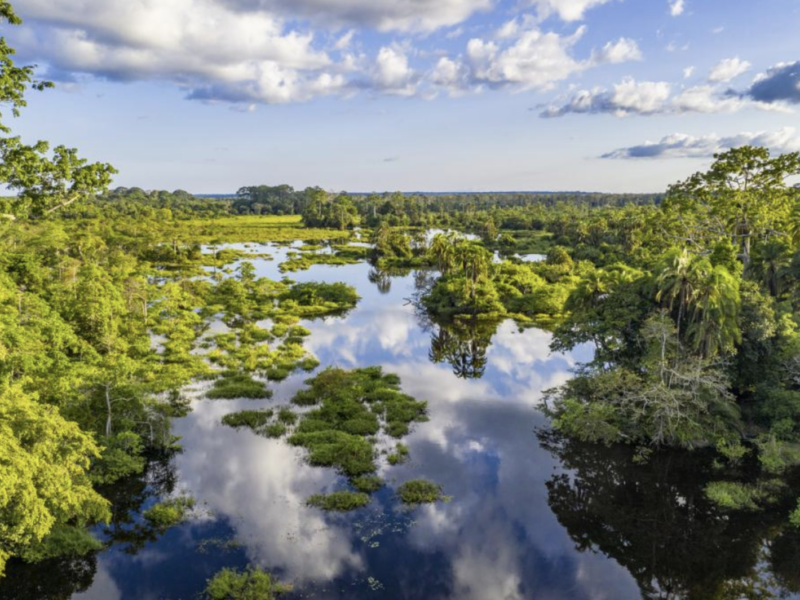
<point x="419" y="491"/>
<point x="339" y="501"/>
<point x="254" y="419"/>
<point x="169" y="513"/>
<point x="367" y="483"/>
<point x="250" y="584"/>
<point x="238" y="385"/>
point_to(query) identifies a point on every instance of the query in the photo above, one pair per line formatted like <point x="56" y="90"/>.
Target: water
<point x="531" y="516"/>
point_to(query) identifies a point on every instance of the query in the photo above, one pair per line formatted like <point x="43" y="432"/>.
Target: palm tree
<point x="443" y="251"/>
<point x="771" y="260"/>
<point x="715" y="318"/>
<point x="678" y="281"/>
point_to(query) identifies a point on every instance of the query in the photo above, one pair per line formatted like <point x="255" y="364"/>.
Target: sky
<point x="411" y="95"/>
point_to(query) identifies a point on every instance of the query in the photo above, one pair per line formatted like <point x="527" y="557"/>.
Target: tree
<point x="43" y="468"/>
<point x="744" y="196"/>
<point x="46" y="181"/>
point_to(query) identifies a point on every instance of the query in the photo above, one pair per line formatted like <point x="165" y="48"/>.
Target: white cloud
<point x="631" y="97"/>
<point x="679" y="145"/>
<point x="623" y="50"/>
<point x="676" y="7"/>
<point x="728" y="69"/>
<point x="628" y="97"/>
<point x="392" y="74"/>
<point x="567" y="10"/>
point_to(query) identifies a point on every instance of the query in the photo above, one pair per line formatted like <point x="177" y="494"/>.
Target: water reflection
<point x="655" y="520"/>
<point x="531" y="516"/>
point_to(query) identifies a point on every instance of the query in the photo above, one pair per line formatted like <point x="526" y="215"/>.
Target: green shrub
<point x="63" y="540"/>
<point x="170" y="512"/>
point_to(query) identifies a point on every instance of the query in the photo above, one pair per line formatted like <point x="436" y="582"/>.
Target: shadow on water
<point x="654" y="520"/>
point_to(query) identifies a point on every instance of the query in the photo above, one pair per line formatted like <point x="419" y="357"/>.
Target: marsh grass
<point x="250" y="584"/>
<point x="339" y="501"/>
<point x="238" y="385"/>
<point x="420" y="491"/>
<point x="254" y="419"/>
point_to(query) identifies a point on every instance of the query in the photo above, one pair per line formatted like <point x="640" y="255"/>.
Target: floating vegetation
<point x="367" y="483"/>
<point x="732" y="495"/>
<point x="308" y="260"/>
<point x="254" y="419"/>
<point x="238" y="385"/>
<point x="287" y="416"/>
<point x="169" y="513"/>
<point x="400" y="455"/>
<point x="274" y="430"/>
<point x="419" y="491"/>
<point x="354" y="406"/>
<point x="250" y="584"/>
<point x="315" y="299"/>
<point x="339" y="501"/>
<point x="218" y="545"/>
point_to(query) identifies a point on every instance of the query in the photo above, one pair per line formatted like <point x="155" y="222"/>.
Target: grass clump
<point x="238" y="385"/>
<point x="350" y="454"/>
<point x="400" y="455"/>
<point x="287" y="416"/>
<point x="254" y="419"/>
<point x="169" y="513"/>
<point x="314" y="299"/>
<point x="274" y="430"/>
<point x="419" y="491"/>
<point x="250" y="584"/>
<point x="367" y="483"/>
<point x="339" y="501"/>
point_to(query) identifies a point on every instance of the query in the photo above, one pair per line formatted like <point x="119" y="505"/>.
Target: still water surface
<point x="531" y="516"/>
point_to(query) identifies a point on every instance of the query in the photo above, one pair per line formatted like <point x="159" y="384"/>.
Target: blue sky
<point x="368" y="95"/>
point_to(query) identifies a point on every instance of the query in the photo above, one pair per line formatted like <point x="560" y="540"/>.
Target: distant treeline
<point x="399" y="208"/>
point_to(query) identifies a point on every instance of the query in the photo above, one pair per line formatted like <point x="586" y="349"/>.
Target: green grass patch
<point x="339" y="501"/>
<point x="420" y="491"/>
<point x="250" y="584"/>
<point x="238" y="385"/>
<point x="254" y="419"/>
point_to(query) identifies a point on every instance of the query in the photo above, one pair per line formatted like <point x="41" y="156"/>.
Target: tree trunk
<point x="108" y="409"/>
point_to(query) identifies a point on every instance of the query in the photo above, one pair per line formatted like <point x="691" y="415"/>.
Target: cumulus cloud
<point x="626" y="98"/>
<point x="251" y="52"/>
<point x="522" y="57"/>
<point x="780" y="83"/>
<point x="676" y="7"/>
<point x="567" y="10"/>
<point x="728" y="69"/>
<point x="392" y="74"/>
<point x="623" y="50"/>
<point x="679" y="145"/>
<point x="631" y="97"/>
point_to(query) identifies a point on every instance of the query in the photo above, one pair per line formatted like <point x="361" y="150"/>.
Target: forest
<point x="689" y="299"/>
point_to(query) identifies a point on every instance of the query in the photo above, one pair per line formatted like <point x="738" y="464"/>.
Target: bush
<point x="367" y="483"/>
<point x="170" y="512"/>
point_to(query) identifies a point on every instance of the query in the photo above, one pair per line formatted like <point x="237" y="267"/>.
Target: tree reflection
<point x="463" y="346"/>
<point x="655" y="521"/>
<point x="60" y="578"/>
